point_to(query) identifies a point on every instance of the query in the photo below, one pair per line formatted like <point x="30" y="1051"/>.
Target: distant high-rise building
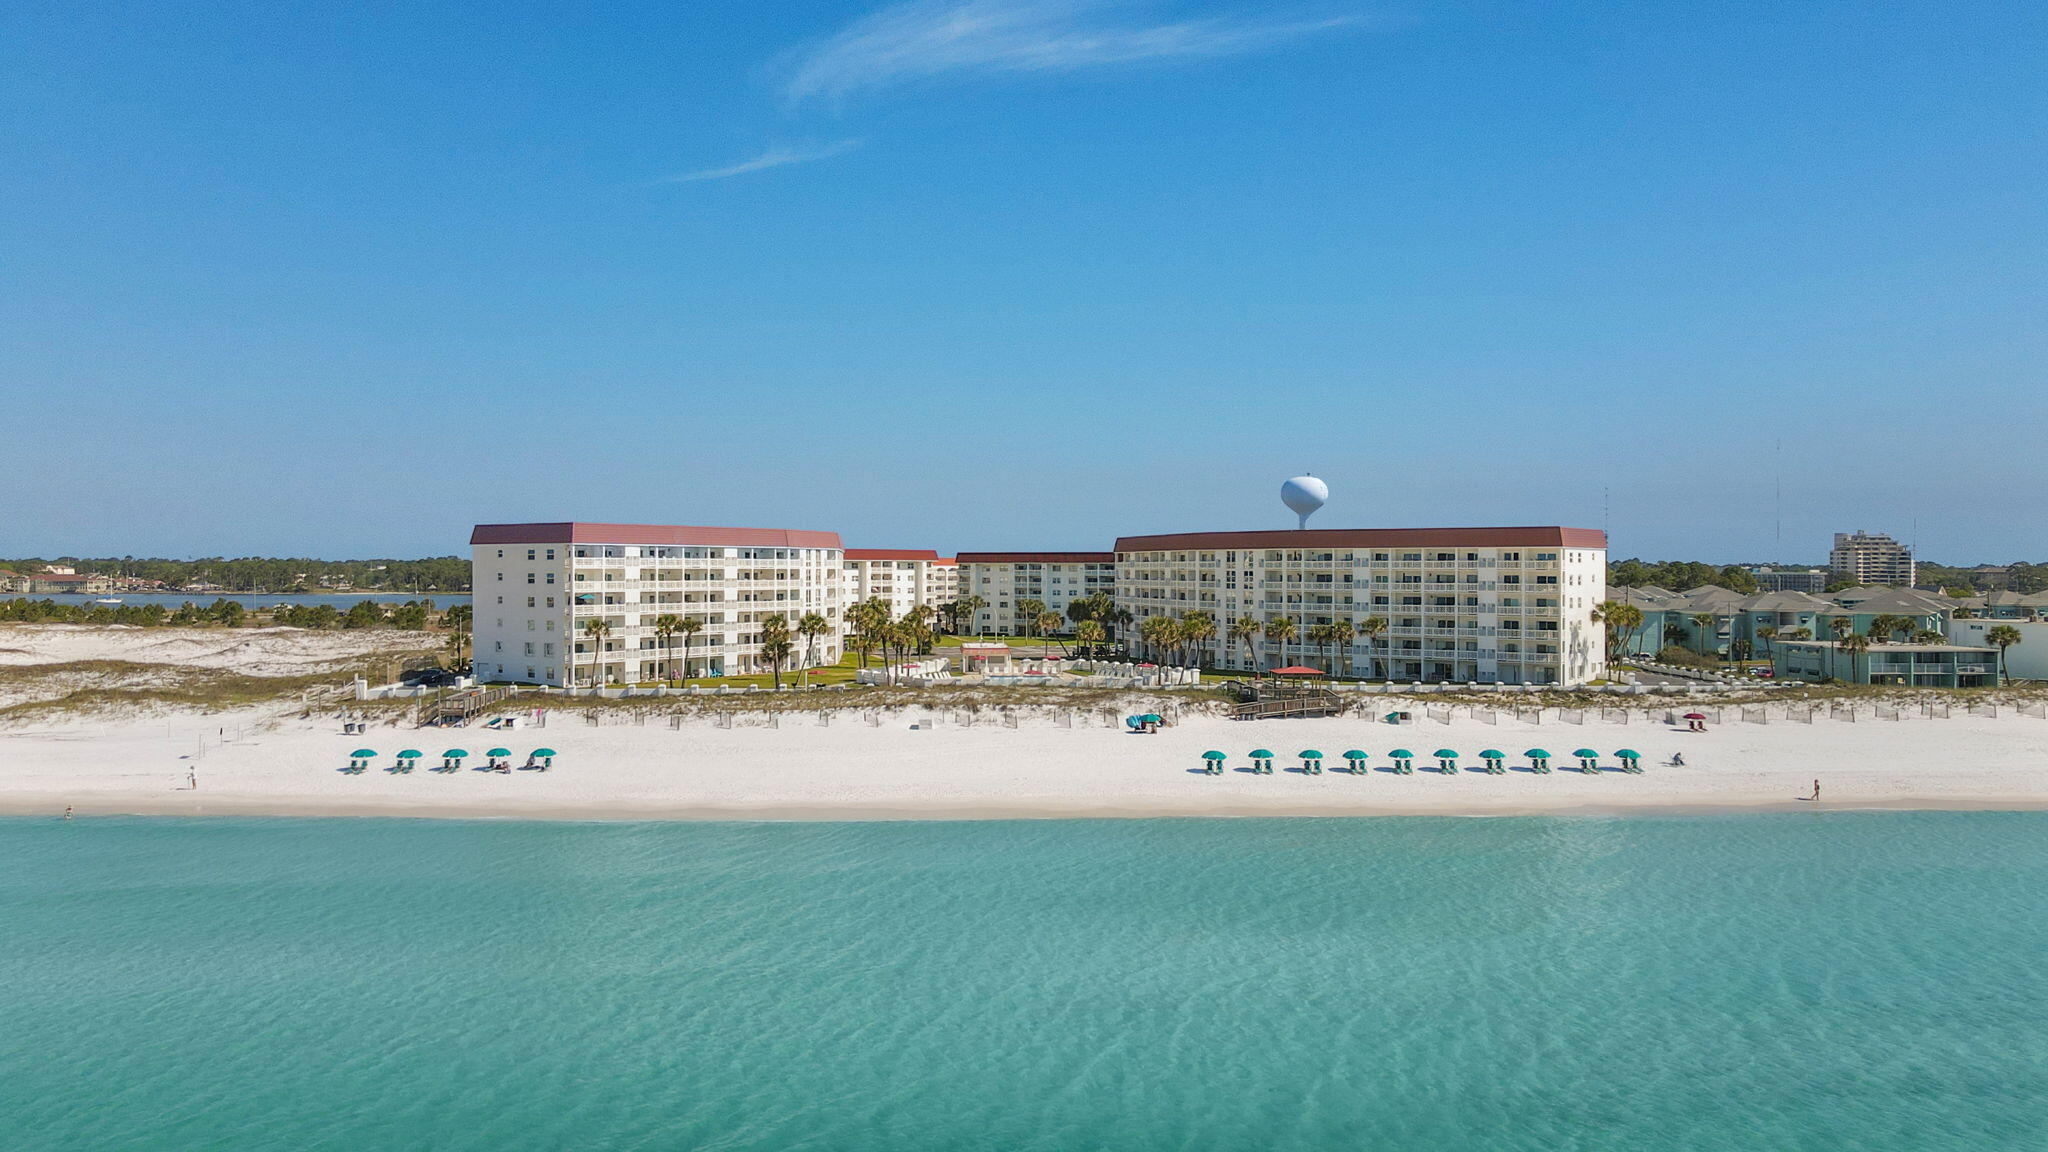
<point x="1872" y="558"/>
<point x="1769" y="579"/>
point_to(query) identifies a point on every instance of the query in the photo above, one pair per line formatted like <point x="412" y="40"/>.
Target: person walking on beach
<point x="1816" y="790"/>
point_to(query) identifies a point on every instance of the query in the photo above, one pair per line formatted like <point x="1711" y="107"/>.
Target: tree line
<point x="271" y="574"/>
<point x="412" y="616"/>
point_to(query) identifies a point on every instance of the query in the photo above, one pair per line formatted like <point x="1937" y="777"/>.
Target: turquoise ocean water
<point x="1810" y="981"/>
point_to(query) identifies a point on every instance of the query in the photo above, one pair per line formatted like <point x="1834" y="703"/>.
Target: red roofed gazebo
<point x="1297" y="670"/>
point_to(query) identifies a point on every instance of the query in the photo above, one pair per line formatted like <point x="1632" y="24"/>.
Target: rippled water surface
<point x="1865" y="981"/>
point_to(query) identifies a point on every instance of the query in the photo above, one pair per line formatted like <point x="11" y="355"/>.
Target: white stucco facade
<point x="537" y="586"/>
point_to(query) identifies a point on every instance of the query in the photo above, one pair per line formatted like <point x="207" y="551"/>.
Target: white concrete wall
<point x="2026" y="660"/>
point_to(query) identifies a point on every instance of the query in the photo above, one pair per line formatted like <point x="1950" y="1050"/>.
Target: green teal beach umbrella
<point x="1311" y="754"/>
<point x="1492" y="754"/>
<point x="547" y="752"/>
<point x="1446" y="754"/>
<point x="1214" y="755"/>
<point x="1261" y="754"/>
<point x="363" y="753"/>
<point x="1628" y="754"/>
<point x="409" y="754"/>
<point x="1537" y="754"/>
<point x="455" y="753"/>
<point x="1354" y="754"/>
<point x="1402" y="754"/>
<point x="497" y="752"/>
<point x="1587" y="753"/>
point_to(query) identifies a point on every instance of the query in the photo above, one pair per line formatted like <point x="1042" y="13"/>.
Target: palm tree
<point x="1341" y="634"/>
<point x="1157" y="634"/>
<point x="1245" y="630"/>
<point x="687" y="628"/>
<point x="775" y="645"/>
<point x="2002" y="637"/>
<point x="597" y="628"/>
<point x="1089" y="633"/>
<point x="1620" y="619"/>
<point x="1854" y="644"/>
<point x="1767" y="633"/>
<point x="1048" y="624"/>
<point x="1321" y="636"/>
<point x="1372" y="628"/>
<point x="1928" y="636"/>
<point x="1028" y="612"/>
<point x="1704" y="621"/>
<point x="1842" y="627"/>
<point x="969" y="606"/>
<point x="1198" y="628"/>
<point x="920" y="616"/>
<point x="811" y="626"/>
<point x="665" y="627"/>
<point x="1281" y="629"/>
<point x="869" y="618"/>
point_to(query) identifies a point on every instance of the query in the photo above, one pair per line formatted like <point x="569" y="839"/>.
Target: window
<point x="529" y="625"/>
<point x="551" y="553"/>
<point x="501" y="577"/>
<point x="551" y="625"/>
<point x="501" y="553"/>
<point x="529" y="553"/>
<point x="501" y="600"/>
<point x="551" y="601"/>
<point x="529" y="672"/>
<point x="497" y="645"/>
<point x="529" y="647"/>
<point x="529" y="601"/>
<point x="529" y="577"/>
<point x="548" y="649"/>
<point x="551" y="577"/>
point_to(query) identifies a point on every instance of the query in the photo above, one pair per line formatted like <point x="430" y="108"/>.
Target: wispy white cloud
<point x="921" y="39"/>
<point x="772" y="158"/>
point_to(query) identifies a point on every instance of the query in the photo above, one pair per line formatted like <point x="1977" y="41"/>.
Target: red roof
<point x="891" y="554"/>
<point x="1037" y="558"/>
<point x="1530" y="537"/>
<point x="1297" y="670"/>
<point x="579" y="532"/>
<point x="58" y="578"/>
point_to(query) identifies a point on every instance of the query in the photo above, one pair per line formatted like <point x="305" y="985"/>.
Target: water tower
<point x="1303" y="495"/>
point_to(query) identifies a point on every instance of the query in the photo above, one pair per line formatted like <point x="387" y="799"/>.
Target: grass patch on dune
<point x="97" y="687"/>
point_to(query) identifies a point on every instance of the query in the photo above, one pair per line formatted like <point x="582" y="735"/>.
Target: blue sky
<point x="341" y="280"/>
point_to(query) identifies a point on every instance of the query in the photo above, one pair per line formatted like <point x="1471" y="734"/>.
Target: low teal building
<point x="1904" y="665"/>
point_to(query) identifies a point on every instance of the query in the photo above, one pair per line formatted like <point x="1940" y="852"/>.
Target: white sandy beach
<point x="265" y="759"/>
<point x="852" y="771"/>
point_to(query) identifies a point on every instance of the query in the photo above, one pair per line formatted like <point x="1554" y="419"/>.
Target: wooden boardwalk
<point x="462" y="707"/>
<point x="1270" y="704"/>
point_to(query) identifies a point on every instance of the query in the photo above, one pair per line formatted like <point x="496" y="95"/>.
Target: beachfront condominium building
<point x="902" y="578"/>
<point x="1006" y="580"/>
<point x="1484" y="605"/>
<point x="1872" y="558"/>
<point x="537" y="588"/>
